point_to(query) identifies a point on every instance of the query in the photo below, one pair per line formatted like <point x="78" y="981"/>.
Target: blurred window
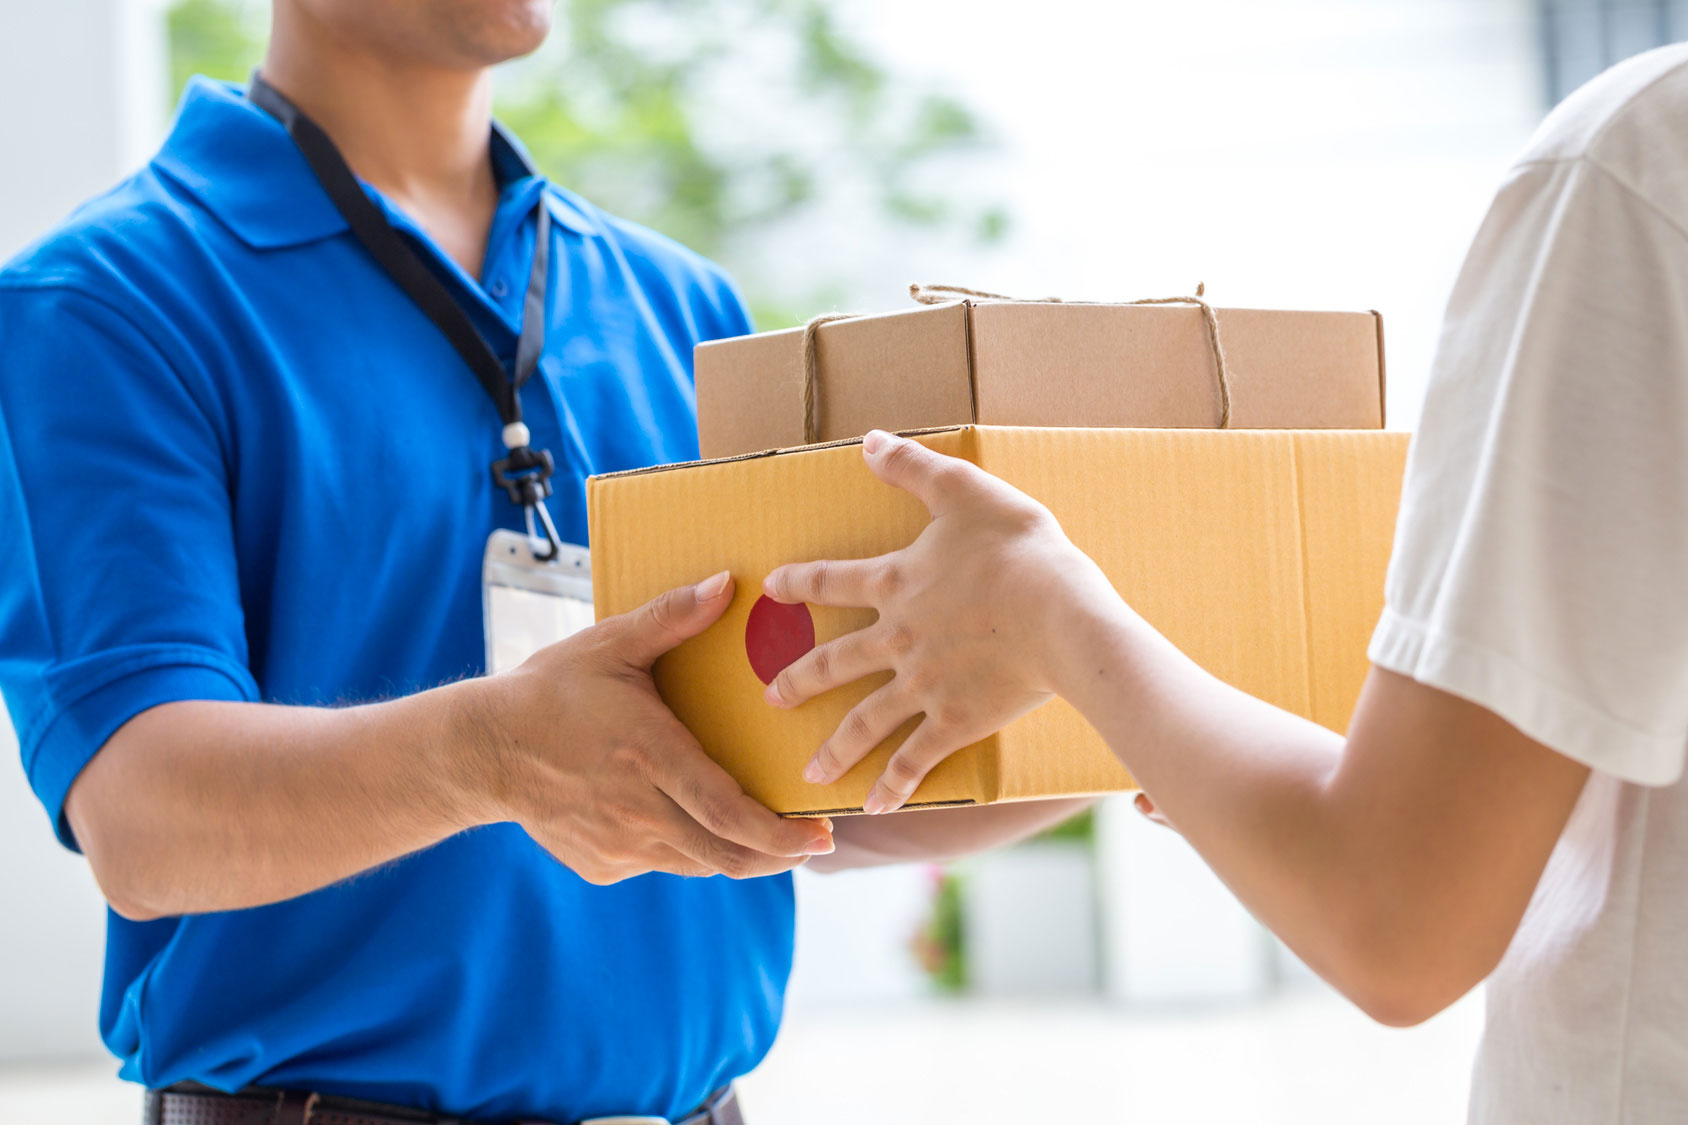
<point x="1580" y="38"/>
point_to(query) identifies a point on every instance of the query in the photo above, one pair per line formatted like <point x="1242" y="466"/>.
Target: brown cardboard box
<point x="1017" y="363"/>
<point x="1260" y="553"/>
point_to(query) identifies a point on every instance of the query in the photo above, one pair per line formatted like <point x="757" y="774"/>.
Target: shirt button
<point x="500" y="288"/>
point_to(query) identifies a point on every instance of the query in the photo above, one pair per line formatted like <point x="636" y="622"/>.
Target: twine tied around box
<point x="934" y="294"/>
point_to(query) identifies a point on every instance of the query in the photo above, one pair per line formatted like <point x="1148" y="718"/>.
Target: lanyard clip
<point x="553" y="542"/>
<point x="525" y="475"/>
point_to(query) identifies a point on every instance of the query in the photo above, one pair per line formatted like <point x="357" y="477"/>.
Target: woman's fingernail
<point x="713" y="587"/>
<point x="875" y="804"/>
<point x="874" y="440"/>
<point x="820" y="847"/>
<point x="771" y="695"/>
<point x="813" y="774"/>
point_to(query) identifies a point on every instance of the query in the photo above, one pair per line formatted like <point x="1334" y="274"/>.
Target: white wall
<point x="84" y="88"/>
<point x="82" y="102"/>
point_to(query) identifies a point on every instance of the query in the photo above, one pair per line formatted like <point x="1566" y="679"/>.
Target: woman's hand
<point x="971" y="619"/>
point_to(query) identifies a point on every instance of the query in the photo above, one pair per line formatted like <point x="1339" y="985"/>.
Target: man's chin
<point x="495" y="31"/>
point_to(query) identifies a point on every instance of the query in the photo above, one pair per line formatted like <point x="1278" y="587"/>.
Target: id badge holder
<point x="529" y="603"/>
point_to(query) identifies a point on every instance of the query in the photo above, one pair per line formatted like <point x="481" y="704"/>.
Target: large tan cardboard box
<point x="1022" y="363"/>
<point x="1260" y="553"/>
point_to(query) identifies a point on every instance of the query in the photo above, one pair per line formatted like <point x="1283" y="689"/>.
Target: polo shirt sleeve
<point x="723" y="311"/>
<point x="1543" y="537"/>
<point x="118" y="583"/>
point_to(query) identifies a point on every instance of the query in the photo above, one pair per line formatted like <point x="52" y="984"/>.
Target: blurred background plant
<point x="725" y="124"/>
<point x="939" y="945"/>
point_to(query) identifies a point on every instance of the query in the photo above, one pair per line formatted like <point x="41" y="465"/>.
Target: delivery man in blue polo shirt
<point x="262" y="406"/>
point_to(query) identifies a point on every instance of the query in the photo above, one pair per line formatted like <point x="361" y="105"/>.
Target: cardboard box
<point x="1260" y="553"/>
<point x="1018" y="363"/>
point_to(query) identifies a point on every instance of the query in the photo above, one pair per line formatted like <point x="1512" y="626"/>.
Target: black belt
<point x="192" y="1104"/>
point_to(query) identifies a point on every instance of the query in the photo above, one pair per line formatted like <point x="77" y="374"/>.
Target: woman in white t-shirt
<point x="1506" y="804"/>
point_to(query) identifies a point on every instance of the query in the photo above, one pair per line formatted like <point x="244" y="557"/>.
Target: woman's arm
<point x="932" y="835"/>
<point x="1398" y="865"/>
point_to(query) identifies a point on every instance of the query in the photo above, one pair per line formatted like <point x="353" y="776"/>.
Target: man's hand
<point x="603" y="776"/>
<point x="969" y="619"/>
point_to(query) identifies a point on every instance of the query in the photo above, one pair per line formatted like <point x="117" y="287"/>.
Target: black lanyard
<point x="525" y="473"/>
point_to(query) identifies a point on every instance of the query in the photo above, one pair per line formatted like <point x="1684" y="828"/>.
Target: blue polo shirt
<point x="236" y="463"/>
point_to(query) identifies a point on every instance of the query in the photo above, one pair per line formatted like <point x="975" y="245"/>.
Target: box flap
<point x="905" y="370"/>
<point x="1152" y="365"/>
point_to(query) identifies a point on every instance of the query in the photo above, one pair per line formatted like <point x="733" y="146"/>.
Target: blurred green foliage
<point x="940" y="946"/>
<point x="213" y="37"/>
<point x="654" y="109"/>
<point x="1080" y="828"/>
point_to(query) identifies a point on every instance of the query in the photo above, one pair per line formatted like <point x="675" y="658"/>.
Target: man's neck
<point x="420" y="134"/>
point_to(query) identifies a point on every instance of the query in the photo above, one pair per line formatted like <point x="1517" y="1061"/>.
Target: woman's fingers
<point x="838" y="582"/>
<point x="908" y="767"/>
<point x="869" y="723"/>
<point x="838" y="662"/>
<point x="1151" y="810"/>
<point x="932" y="478"/>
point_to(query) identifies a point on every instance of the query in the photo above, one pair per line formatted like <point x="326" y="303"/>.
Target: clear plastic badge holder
<point x="528" y="603"/>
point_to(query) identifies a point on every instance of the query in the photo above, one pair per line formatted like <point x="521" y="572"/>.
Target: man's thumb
<point x="675" y="616"/>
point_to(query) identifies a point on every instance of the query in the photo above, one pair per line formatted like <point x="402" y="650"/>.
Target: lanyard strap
<point x="525" y="473"/>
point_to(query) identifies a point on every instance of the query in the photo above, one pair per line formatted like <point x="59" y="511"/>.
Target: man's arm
<point x="931" y="835"/>
<point x="201" y="806"/>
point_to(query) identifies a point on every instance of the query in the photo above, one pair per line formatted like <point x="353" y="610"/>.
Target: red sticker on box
<point x="776" y="635"/>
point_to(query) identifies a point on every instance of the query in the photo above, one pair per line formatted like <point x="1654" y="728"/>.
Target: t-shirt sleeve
<point x="1541" y="557"/>
<point x="118" y="584"/>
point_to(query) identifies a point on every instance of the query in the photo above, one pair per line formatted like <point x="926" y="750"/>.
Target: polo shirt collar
<point x="239" y="163"/>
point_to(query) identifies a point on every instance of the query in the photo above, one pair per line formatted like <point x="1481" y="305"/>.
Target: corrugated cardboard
<point x="1260" y="553"/>
<point x="1008" y="363"/>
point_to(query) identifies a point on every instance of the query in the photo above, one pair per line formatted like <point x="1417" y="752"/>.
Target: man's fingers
<point x="710" y="796"/>
<point x="908" y="767"/>
<point x="931" y="478"/>
<point x="672" y="861"/>
<point x="697" y="853"/>
<point x="672" y="617"/>
<point x="839" y="582"/>
<point x="869" y="723"/>
<point x="841" y="661"/>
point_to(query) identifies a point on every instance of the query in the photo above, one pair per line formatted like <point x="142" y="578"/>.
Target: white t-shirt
<point x="1541" y="570"/>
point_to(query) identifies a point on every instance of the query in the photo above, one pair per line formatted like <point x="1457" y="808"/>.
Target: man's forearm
<point x="939" y="834"/>
<point x="202" y="806"/>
